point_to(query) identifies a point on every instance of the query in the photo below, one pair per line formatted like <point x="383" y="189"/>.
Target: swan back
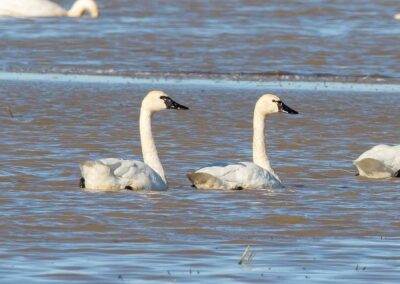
<point x="114" y="174"/>
<point x="31" y="8"/>
<point x="242" y="175"/>
<point x="381" y="161"/>
<point x="81" y="7"/>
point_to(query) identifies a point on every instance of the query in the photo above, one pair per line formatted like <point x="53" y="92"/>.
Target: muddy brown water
<point x="326" y="226"/>
<point x="310" y="38"/>
<point x="336" y="62"/>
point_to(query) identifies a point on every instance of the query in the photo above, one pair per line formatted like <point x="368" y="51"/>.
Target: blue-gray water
<point x="217" y="57"/>
<point x="309" y="38"/>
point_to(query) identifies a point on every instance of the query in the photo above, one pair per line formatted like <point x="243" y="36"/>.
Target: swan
<point x="397" y="16"/>
<point x="113" y="174"/>
<point x="245" y="175"/>
<point x="381" y="161"/>
<point x="46" y="8"/>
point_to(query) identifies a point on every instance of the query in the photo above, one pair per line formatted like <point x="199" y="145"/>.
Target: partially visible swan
<point x="381" y="161"/>
<point x="114" y="174"/>
<point x="256" y="175"/>
<point x="397" y="16"/>
<point x="46" y="8"/>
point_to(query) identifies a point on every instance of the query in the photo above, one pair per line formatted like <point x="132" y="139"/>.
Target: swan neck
<point x="260" y="156"/>
<point x="150" y="154"/>
<point x="81" y="7"/>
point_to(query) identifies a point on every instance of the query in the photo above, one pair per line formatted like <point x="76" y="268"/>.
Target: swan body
<point x="397" y="16"/>
<point x="46" y="8"/>
<point x="115" y="174"/>
<point x="256" y="175"/>
<point x="381" y="161"/>
<point x="238" y="176"/>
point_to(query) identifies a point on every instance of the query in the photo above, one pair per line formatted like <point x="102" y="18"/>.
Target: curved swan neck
<point x="260" y="157"/>
<point x="81" y="6"/>
<point x="150" y="155"/>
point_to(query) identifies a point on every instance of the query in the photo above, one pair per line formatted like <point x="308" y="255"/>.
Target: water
<point x="326" y="226"/>
<point x="310" y="38"/>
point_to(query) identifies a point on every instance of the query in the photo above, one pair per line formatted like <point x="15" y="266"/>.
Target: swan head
<point x="81" y="7"/>
<point x="158" y="101"/>
<point x="269" y="104"/>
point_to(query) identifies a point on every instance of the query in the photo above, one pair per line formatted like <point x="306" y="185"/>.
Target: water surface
<point x="326" y="226"/>
<point x="336" y="62"/>
<point x="335" y="38"/>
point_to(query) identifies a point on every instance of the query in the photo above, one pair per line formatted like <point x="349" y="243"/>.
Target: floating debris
<point x="10" y="113"/>
<point x="247" y="257"/>
<point x="244" y="255"/>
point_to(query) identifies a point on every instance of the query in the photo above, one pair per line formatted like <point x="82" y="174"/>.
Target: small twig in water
<point x="244" y="254"/>
<point x="10" y="112"/>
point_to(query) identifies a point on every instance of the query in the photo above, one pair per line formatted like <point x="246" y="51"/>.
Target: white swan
<point x="115" y="174"/>
<point x="46" y="8"/>
<point x="256" y="175"/>
<point x="381" y="161"/>
<point x="397" y="16"/>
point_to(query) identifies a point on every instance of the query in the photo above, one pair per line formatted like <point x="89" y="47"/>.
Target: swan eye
<point x="171" y="104"/>
<point x="278" y="102"/>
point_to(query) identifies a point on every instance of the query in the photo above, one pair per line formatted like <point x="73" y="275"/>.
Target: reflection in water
<point x="326" y="224"/>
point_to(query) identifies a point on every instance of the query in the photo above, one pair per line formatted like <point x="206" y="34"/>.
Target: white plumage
<point x="114" y="174"/>
<point x="46" y="8"/>
<point x="247" y="175"/>
<point x="381" y="161"/>
<point x="238" y="176"/>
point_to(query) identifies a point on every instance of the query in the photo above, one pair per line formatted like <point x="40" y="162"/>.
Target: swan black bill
<point x="171" y="104"/>
<point x="284" y="108"/>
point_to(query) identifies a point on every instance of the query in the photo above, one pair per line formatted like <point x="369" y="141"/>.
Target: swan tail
<point x="90" y="167"/>
<point x="372" y="168"/>
<point x="204" y="180"/>
<point x="190" y="176"/>
<point x="96" y="175"/>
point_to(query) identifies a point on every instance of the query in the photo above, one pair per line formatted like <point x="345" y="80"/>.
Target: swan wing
<point x="30" y="8"/>
<point x="234" y="176"/>
<point x="135" y="174"/>
<point x="117" y="174"/>
<point x="381" y="161"/>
